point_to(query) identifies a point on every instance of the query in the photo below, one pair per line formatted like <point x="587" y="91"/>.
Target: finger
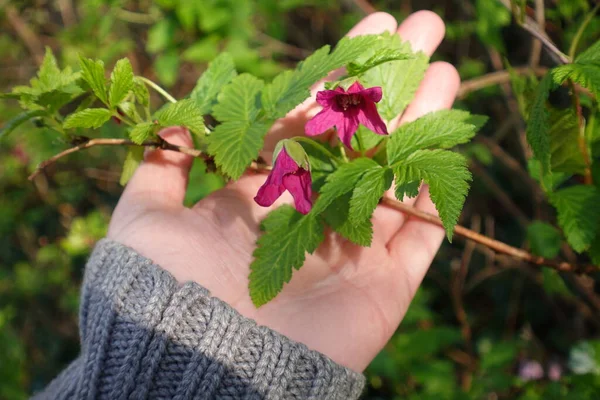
<point x="424" y="30"/>
<point x="293" y="123"/>
<point x="416" y="244"/>
<point x="162" y="177"/>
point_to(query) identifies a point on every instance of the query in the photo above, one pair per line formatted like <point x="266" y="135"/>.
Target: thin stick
<point x="495" y="78"/>
<point x="459" y="230"/>
<point x="533" y="28"/>
<point x="581" y="140"/>
<point x="160" y="90"/>
<point x="495" y="245"/>
<point x="536" y="48"/>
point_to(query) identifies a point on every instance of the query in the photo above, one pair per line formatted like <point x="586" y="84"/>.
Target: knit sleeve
<point x="144" y="336"/>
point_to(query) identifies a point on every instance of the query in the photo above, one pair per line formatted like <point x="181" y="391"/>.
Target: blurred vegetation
<point x="482" y="326"/>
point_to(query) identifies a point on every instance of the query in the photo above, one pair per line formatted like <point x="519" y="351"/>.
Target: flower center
<point x="348" y="100"/>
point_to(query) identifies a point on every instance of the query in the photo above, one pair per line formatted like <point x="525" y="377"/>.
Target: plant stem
<point x="459" y="230"/>
<point x="581" y="140"/>
<point x="318" y="145"/>
<point x="160" y="90"/>
<point x="579" y="34"/>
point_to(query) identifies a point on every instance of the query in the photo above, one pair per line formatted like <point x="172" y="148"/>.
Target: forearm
<point x="145" y="336"/>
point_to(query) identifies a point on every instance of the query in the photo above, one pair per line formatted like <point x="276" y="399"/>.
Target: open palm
<point x="347" y="300"/>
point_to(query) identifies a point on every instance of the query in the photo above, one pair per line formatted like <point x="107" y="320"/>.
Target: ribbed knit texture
<point x="144" y="336"/>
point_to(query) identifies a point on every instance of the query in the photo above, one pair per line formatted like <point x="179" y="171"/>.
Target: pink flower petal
<point x="356" y="87"/>
<point x="348" y="126"/>
<point x="323" y="121"/>
<point x="268" y="192"/>
<point x="372" y="94"/>
<point x="299" y="185"/>
<point x="369" y="117"/>
<point x="326" y="97"/>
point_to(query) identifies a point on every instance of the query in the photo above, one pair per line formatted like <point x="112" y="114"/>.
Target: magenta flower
<point x="345" y="110"/>
<point x="291" y="174"/>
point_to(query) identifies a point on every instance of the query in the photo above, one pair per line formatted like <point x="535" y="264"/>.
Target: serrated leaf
<point x="565" y="154"/>
<point x="19" y="119"/>
<point x="288" y="236"/>
<point x="590" y="56"/>
<point x="321" y="162"/>
<point x="578" y="210"/>
<point x="367" y="193"/>
<point x="183" y="113"/>
<point x="219" y="73"/>
<point x="135" y="155"/>
<point x="237" y="141"/>
<point x="337" y="216"/>
<point x="291" y="88"/>
<point x="538" y="124"/>
<point x="142" y="132"/>
<point x="586" y="75"/>
<point x="399" y="80"/>
<point x="447" y="175"/>
<point x="49" y="71"/>
<point x="408" y="189"/>
<point x="92" y="72"/>
<point x="121" y="82"/>
<point x="380" y="57"/>
<point x="239" y="100"/>
<point x="544" y="239"/>
<point x="441" y="129"/>
<point x="88" y="118"/>
<point x="140" y="91"/>
<point x="341" y="182"/>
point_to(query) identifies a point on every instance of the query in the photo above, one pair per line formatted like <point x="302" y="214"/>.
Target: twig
<point x="25" y="33"/>
<point x="495" y="78"/>
<point x="499" y="247"/>
<point x="459" y="230"/>
<point x="533" y="28"/>
<point x="536" y="47"/>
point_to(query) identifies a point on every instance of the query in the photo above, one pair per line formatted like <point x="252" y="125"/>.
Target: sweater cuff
<point x="145" y="335"/>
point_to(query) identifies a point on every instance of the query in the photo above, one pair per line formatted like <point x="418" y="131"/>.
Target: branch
<point x="534" y="29"/>
<point x="459" y="230"/>
<point x="495" y="78"/>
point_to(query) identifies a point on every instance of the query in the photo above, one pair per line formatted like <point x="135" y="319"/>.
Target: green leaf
<point x="442" y="129"/>
<point x="447" y="175"/>
<point x="141" y="93"/>
<point x="134" y="157"/>
<point x="565" y="154"/>
<point x="341" y="182"/>
<point x="19" y="119"/>
<point x="408" y="189"/>
<point x="237" y="141"/>
<point x="49" y="72"/>
<point x="142" y="132"/>
<point x="183" y="113"/>
<point x="88" y="118"/>
<point x="219" y="73"/>
<point x="337" y="216"/>
<point x="544" y="239"/>
<point x="291" y="88"/>
<point x="590" y="56"/>
<point x="594" y="250"/>
<point x="538" y="124"/>
<point x="321" y="162"/>
<point x="586" y="75"/>
<point x="368" y="192"/>
<point x="92" y="72"/>
<point x="288" y="236"/>
<point x="121" y="82"/>
<point x="578" y="214"/>
<point x="166" y="66"/>
<point x="380" y="57"/>
<point x="491" y="18"/>
<point x="398" y="80"/>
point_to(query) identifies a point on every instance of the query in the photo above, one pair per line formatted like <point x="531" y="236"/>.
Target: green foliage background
<point x="514" y="314"/>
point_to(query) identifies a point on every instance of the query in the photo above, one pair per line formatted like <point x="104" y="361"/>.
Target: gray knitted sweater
<point x="144" y="336"/>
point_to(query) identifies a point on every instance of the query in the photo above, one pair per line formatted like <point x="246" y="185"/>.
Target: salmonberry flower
<point x="291" y="172"/>
<point x="345" y="110"/>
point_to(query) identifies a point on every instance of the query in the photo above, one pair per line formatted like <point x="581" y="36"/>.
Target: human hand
<point x="346" y="301"/>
